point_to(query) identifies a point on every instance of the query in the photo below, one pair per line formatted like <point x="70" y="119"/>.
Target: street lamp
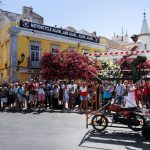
<point x="22" y="59"/>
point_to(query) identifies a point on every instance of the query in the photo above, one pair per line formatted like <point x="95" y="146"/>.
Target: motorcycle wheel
<point x="141" y="121"/>
<point x="99" y="122"/>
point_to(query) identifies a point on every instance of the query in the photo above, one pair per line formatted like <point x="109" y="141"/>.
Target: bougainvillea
<point x="65" y="65"/>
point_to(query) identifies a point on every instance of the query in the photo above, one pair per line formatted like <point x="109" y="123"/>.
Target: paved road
<point x="62" y="131"/>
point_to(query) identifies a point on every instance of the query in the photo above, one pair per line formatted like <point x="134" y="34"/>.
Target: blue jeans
<point x="120" y="100"/>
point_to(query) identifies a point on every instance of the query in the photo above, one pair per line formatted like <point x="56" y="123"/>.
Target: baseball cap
<point x="134" y="36"/>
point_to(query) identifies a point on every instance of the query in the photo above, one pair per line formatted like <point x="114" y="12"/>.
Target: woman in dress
<point x="130" y="98"/>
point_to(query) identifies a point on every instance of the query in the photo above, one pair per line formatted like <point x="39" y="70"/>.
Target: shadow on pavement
<point x="127" y="139"/>
<point x="26" y="111"/>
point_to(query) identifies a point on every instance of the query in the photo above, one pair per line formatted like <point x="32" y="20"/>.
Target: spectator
<point x="15" y="95"/>
<point x="48" y="95"/>
<point x="33" y="94"/>
<point x="65" y="97"/>
<point x="4" y="97"/>
<point x="83" y="96"/>
<point x="61" y="85"/>
<point x="20" y="95"/>
<point x="139" y="96"/>
<point x="55" y="93"/>
<point x="119" y="93"/>
<point x="78" y="101"/>
<point x="72" y="94"/>
<point x="11" y="99"/>
<point x="146" y="94"/>
<point x="106" y="93"/>
<point x="130" y="99"/>
<point x="26" y="93"/>
<point x="41" y="96"/>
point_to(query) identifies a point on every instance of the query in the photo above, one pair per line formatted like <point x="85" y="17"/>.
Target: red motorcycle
<point x="116" y="114"/>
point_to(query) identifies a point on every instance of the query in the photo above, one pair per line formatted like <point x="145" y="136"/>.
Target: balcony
<point x="34" y="64"/>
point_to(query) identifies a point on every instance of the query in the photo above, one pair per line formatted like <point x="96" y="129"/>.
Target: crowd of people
<point x="128" y="94"/>
<point x="64" y="95"/>
<point x="35" y="95"/>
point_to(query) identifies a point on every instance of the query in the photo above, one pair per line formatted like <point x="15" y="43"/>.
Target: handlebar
<point x="125" y="56"/>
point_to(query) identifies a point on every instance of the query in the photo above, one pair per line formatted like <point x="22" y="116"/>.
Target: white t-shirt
<point x="41" y="91"/>
<point x="73" y="88"/>
<point x="130" y="99"/>
<point x="140" y="47"/>
<point x="83" y="89"/>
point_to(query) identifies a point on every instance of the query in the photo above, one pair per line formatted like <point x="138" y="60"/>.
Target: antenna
<point x="122" y="34"/>
<point x="126" y="32"/>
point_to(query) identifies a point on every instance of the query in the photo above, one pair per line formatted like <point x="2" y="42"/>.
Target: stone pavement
<point x="54" y="130"/>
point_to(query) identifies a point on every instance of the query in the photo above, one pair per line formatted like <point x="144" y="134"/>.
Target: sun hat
<point x="134" y="36"/>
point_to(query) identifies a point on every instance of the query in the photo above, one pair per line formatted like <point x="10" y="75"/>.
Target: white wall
<point x="146" y="40"/>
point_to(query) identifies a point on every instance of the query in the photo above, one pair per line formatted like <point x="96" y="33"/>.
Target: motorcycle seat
<point x="129" y="109"/>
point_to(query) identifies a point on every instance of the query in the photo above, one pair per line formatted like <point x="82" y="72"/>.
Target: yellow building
<point x="24" y="39"/>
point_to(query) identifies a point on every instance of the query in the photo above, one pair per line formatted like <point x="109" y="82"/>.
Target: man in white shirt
<point x="73" y="94"/>
<point x="119" y="93"/>
<point x="140" y="57"/>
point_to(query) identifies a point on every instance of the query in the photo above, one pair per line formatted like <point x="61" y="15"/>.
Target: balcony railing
<point x="34" y="64"/>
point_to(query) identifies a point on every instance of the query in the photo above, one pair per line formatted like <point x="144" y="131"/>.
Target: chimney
<point x="94" y="33"/>
<point x="27" y="11"/>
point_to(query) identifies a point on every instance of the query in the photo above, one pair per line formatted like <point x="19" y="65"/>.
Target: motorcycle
<point x="131" y="117"/>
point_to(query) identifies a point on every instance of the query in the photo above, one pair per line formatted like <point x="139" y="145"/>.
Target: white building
<point x="145" y="34"/>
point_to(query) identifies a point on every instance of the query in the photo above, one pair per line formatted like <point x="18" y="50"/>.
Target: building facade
<point x="24" y="39"/>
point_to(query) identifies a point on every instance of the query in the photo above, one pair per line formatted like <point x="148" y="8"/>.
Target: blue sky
<point x="103" y="16"/>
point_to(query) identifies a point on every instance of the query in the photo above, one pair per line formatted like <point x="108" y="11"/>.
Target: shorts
<point x="83" y="98"/>
<point x="41" y="97"/>
<point x="138" y="98"/>
<point x="21" y="99"/>
<point x="65" y="99"/>
<point x="32" y="98"/>
<point x="4" y="100"/>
